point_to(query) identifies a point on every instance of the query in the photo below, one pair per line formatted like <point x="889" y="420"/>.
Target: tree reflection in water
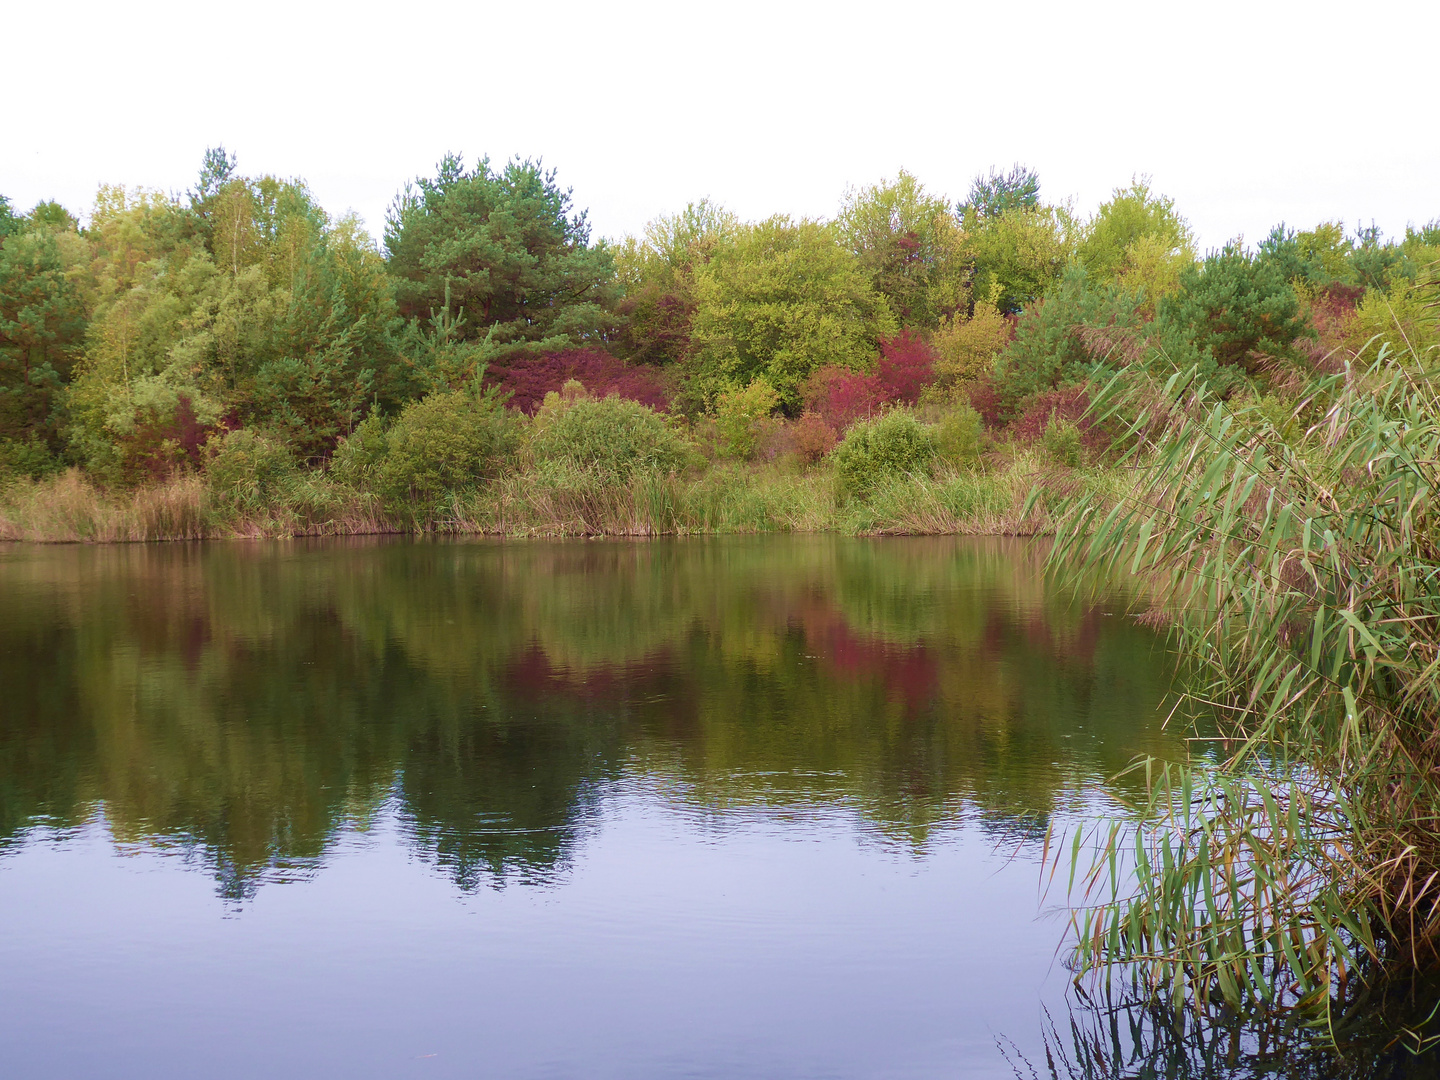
<point x="249" y="701"/>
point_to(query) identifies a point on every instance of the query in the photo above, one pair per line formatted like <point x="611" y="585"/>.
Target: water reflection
<point x="246" y="702"/>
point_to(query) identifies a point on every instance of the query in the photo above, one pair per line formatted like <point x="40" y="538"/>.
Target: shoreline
<point x="70" y="508"/>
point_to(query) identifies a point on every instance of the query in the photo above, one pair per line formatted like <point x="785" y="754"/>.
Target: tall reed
<point x="1299" y="566"/>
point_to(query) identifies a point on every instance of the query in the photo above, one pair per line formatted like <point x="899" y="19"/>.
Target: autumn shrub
<point x="163" y="441"/>
<point x="528" y="379"/>
<point x="612" y="437"/>
<point x="811" y="438"/>
<point x="965" y="348"/>
<point x="906" y="367"/>
<point x="840" y="396"/>
<point x="248" y="471"/>
<point x="894" y="443"/>
<point x="741" y="415"/>
<point x="1066" y="406"/>
<point x="1061" y="442"/>
<point x="445" y="444"/>
<point x="987" y="400"/>
<point x="1400" y="316"/>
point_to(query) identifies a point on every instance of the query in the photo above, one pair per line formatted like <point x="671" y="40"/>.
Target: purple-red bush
<point x="907" y="366"/>
<point x="840" y="396"/>
<point x="529" y="379"/>
<point x="161" y="444"/>
<point x="988" y="401"/>
<point x="1331" y="313"/>
<point x="812" y="438"/>
<point x="1068" y="403"/>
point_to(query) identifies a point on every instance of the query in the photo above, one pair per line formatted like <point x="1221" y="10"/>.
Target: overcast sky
<point x="1245" y="112"/>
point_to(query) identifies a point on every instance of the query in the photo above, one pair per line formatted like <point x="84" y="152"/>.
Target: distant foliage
<point x="1066" y="407"/>
<point x="657" y="274"/>
<point x="505" y="249"/>
<point x="29" y="459"/>
<point x="527" y="380"/>
<point x="993" y="195"/>
<point x="165" y="441"/>
<point x="1231" y="313"/>
<point x="781" y="301"/>
<point x="1060" y="340"/>
<point x="894" y="444"/>
<point x="960" y="435"/>
<point x="1062" y="443"/>
<point x="612" y="437"/>
<point x="910" y="244"/>
<point x="1135" y="218"/>
<point x="359" y="457"/>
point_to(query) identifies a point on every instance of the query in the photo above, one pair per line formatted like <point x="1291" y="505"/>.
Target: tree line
<point x="130" y="342"/>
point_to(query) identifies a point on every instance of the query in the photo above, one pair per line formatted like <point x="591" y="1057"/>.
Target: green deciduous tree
<point x="657" y="275"/>
<point x="784" y="299"/>
<point x="1018" y="254"/>
<point x="271" y="315"/>
<point x="910" y="244"/>
<point x="1137" y="238"/>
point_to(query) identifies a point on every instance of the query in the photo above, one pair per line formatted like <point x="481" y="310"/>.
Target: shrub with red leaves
<point x="1068" y="403"/>
<point x="988" y="401"/>
<point x="812" y="438"/>
<point x="840" y="396"/>
<point x="161" y="444"/>
<point x="529" y="379"/>
<point x="1330" y="314"/>
<point x="907" y="366"/>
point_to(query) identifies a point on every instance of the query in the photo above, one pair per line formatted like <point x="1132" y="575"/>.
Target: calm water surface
<point x="762" y="807"/>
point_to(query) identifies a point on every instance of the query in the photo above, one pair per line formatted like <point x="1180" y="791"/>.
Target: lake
<point x="735" y="807"/>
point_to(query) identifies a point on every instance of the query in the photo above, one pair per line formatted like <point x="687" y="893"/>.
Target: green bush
<point x="613" y="437"/>
<point x="247" y="470"/>
<point x="31" y="460"/>
<point x="443" y="445"/>
<point x="356" y="461"/>
<point x="960" y="435"/>
<point x="1062" y="442"/>
<point x="740" y="416"/>
<point x="873" y="449"/>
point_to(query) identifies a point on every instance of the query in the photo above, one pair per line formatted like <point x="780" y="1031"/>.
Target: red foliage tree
<point x="988" y="401"/>
<point x="161" y="444"/>
<point x="840" y="396"/>
<point x="529" y="379"/>
<point x="907" y="366"/>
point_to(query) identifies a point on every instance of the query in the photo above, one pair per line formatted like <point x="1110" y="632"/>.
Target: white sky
<point x="1245" y="112"/>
